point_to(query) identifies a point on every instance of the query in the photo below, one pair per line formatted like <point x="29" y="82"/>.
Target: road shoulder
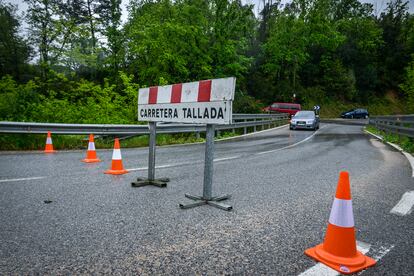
<point x="409" y="157"/>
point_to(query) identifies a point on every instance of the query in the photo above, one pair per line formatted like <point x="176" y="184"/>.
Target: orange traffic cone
<point x="338" y="250"/>
<point x="117" y="167"/>
<point x="49" y="145"/>
<point x="91" y="153"/>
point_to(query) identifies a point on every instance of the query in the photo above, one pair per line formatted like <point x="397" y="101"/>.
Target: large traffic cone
<point x="338" y="250"/>
<point x="116" y="167"/>
<point x="49" y="145"/>
<point x="91" y="153"/>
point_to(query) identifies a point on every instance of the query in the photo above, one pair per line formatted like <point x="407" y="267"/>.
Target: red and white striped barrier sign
<point x="206" y="102"/>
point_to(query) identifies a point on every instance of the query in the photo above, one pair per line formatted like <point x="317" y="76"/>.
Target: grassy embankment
<point x="406" y="143"/>
<point x="389" y="105"/>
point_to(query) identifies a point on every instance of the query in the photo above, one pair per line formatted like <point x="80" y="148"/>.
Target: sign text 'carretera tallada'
<point x="206" y="102"/>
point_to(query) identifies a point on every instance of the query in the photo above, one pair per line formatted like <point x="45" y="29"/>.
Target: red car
<point x="290" y="108"/>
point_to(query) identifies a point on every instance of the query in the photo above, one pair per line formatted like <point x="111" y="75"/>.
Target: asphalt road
<point x="282" y="184"/>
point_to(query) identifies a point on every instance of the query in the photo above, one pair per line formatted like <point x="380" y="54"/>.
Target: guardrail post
<point x="161" y="182"/>
<point x="245" y="128"/>
<point x="254" y="127"/>
<point x="197" y="135"/>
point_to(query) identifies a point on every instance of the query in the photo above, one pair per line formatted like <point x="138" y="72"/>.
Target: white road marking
<point x="405" y="205"/>
<point x="407" y="155"/>
<point x="290" y="146"/>
<point x="397" y="147"/>
<point x="411" y="160"/>
<point x="22" y="179"/>
<point x="225" y="139"/>
<point x="226" y="158"/>
<point x="252" y="133"/>
<point x="322" y="270"/>
<point x="379" y="252"/>
<point x="183" y="164"/>
<point x="373" y="134"/>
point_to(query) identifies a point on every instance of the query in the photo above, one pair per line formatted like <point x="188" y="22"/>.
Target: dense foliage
<point x="84" y="65"/>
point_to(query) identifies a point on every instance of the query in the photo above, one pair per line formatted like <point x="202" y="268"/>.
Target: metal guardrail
<point x="398" y="124"/>
<point x="239" y="121"/>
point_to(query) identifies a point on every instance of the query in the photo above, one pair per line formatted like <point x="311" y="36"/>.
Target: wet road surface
<point x="282" y="184"/>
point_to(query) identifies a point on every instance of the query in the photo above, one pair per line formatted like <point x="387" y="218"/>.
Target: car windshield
<point x="305" y="115"/>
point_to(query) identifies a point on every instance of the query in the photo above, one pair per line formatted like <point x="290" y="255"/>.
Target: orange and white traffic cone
<point x="338" y="250"/>
<point x="116" y="167"/>
<point x="49" y="144"/>
<point x="91" y="153"/>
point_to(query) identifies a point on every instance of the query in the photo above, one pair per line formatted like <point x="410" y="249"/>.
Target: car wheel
<point x="352" y="116"/>
<point x="366" y="116"/>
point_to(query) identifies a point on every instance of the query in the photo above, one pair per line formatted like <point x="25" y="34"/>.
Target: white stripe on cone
<point x="91" y="146"/>
<point x="49" y="140"/>
<point x="116" y="155"/>
<point x="341" y="213"/>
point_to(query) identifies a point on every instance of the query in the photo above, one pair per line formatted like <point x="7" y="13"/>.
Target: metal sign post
<point x="202" y="102"/>
<point x="161" y="182"/>
<point x="207" y="198"/>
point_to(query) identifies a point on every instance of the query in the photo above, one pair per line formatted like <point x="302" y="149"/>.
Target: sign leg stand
<point x="208" y="179"/>
<point x="160" y="182"/>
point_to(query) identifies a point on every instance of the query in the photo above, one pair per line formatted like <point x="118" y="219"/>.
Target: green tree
<point x="395" y="52"/>
<point x="408" y="86"/>
<point x="51" y="26"/>
<point x="14" y="51"/>
<point x="166" y="45"/>
<point x="109" y="12"/>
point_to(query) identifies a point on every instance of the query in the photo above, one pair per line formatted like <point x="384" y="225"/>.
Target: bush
<point x="61" y="100"/>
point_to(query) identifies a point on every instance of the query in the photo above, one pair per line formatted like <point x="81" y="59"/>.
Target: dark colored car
<point x="290" y="108"/>
<point x="355" y="114"/>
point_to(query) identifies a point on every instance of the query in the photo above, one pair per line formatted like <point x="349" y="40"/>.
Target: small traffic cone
<point x="116" y="167"/>
<point x="338" y="250"/>
<point x="49" y="144"/>
<point x="91" y="153"/>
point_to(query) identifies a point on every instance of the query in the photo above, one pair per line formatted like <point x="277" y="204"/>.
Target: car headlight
<point x="309" y="122"/>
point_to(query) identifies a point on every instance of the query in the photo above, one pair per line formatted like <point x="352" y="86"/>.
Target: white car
<point x="304" y="120"/>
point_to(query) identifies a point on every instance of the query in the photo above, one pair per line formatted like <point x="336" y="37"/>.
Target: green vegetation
<point x="78" y="63"/>
<point x="406" y="143"/>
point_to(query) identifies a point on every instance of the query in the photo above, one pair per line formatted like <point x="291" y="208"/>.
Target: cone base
<point x="49" y="151"/>
<point x="340" y="264"/>
<point x="116" y="172"/>
<point x="86" y="160"/>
